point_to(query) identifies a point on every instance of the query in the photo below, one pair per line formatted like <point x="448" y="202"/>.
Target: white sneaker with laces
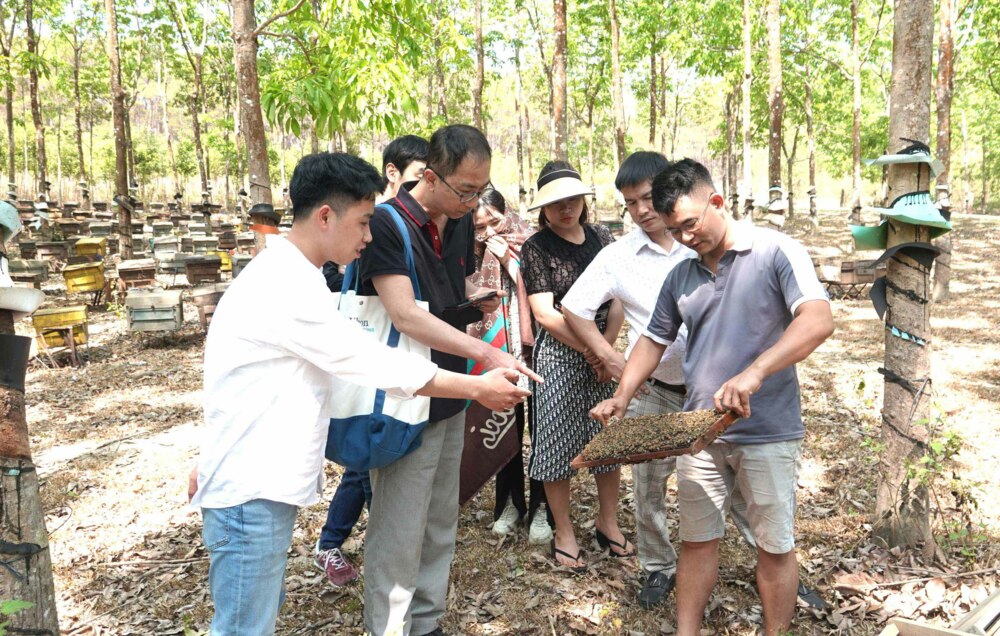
<point x="539" y="532"/>
<point x="508" y="519"/>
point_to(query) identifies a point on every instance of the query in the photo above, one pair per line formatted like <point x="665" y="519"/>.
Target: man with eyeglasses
<point x="413" y="518"/>
<point x="753" y="308"/>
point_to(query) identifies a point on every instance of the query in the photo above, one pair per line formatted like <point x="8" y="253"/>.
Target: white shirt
<point x="632" y="269"/>
<point x="275" y="354"/>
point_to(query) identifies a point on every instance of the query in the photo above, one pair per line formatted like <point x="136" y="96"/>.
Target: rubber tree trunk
<point x="36" y="107"/>
<point x="519" y="107"/>
<point x="902" y="501"/>
<point x="775" y="100"/>
<point x="251" y="118"/>
<point x="811" y="142"/>
<point x="78" y="107"/>
<point x="856" y="117"/>
<point x="559" y="116"/>
<point x="654" y="96"/>
<point x="617" y="100"/>
<point x="943" y="95"/>
<point x="24" y="543"/>
<point x="121" y="141"/>
<point x="477" y="87"/>
<point x="747" y="75"/>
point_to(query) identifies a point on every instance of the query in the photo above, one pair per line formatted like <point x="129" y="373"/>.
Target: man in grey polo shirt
<point x="632" y="270"/>
<point x="753" y="308"/>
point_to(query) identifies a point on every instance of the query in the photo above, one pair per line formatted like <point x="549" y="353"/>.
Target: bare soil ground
<point x="115" y="439"/>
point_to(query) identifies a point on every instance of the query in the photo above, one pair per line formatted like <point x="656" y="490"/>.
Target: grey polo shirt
<point x="734" y="316"/>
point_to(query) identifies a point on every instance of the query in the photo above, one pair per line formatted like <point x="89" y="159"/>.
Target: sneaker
<point x="539" y="532"/>
<point x="506" y="522"/>
<point x="655" y="589"/>
<point x="338" y="569"/>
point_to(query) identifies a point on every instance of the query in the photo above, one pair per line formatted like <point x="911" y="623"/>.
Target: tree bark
<point x="617" y="100"/>
<point x="251" y="118"/>
<point x="729" y="183"/>
<point x="811" y="140"/>
<point x="36" y="107"/>
<point x="943" y="95"/>
<point x="519" y="107"/>
<point x="477" y="88"/>
<point x="121" y="144"/>
<point x="775" y="99"/>
<point x="195" y="56"/>
<point x="25" y="544"/>
<point x="747" y="186"/>
<point x="902" y="510"/>
<point x="654" y="96"/>
<point x="663" y="106"/>
<point x="856" y="117"/>
<point x="77" y="106"/>
<point x="162" y="82"/>
<point x="559" y="120"/>
<point x="6" y="42"/>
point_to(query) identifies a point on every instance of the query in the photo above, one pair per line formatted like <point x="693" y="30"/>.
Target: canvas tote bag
<point x="368" y="428"/>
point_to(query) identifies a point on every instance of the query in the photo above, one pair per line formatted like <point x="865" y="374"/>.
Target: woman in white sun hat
<point x="552" y="260"/>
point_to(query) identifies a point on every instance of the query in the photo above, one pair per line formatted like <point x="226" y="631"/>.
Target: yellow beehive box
<point x="44" y="320"/>
<point x="85" y="277"/>
<point x="227" y="260"/>
<point x="91" y="246"/>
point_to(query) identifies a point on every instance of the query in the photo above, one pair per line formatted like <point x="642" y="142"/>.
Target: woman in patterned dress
<point x="551" y="261"/>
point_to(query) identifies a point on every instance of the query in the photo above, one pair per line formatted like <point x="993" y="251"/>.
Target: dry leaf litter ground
<point x="114" y="441"/>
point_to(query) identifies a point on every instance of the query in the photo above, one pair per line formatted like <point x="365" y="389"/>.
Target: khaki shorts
<point x="766" y="474"/>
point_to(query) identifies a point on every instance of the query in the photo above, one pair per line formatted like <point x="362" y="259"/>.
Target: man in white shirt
<point x="632" y="270"/>
<point x="276" y="351"/>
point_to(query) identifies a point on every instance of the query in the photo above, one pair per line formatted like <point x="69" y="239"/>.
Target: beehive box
<point x="53" y="251"/>
<point x="137" y="273"/>
<point x="100" y="228"/>
<point x="112" y="245"/>
<point x="91" y="246"/>
<point x="244" y="242"/>
<point x="173" y="265"/>
<point x="163" y="228"/>
<point x="197" y="229"/>
<point x="206" y="298"/>
<point x="46" y="320"/>
<point x="205" y="244"/>
<point x="85" y="277"/>
<point x="187" y="244"/>
<point x="227" y="260"/>
<point x="862" y="271"/>
<point x="166" y="246"/>
<point x="27" y="248"/>
<point x="68" y="227"/>
<point x="138" y="227"/>
<point x="154" y="310"/>
<point x="203" y="269"/>
<point x="100" y="206"/>
<point x="239" y="262"/>
<point x="227" y="240"/>
<point x="29" y="271"/>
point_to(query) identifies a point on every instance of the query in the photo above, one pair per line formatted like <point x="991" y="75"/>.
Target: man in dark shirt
<point x="414" y="513"/>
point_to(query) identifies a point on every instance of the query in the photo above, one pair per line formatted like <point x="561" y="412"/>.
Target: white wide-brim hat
<point x="558" y="185"/>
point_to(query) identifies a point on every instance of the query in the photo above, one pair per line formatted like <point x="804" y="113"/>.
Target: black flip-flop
<point x="606" y="542"/>
<point x="580" y="569"/>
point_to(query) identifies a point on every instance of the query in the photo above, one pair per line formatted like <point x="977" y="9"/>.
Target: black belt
<point x="679" y="389"/>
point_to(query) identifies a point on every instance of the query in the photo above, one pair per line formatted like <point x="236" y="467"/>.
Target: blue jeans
<point x="354" y="491"/>
<point x="248" y="549"/>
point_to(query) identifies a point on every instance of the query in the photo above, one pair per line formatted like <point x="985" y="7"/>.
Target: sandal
<point x="580" y="569"/>
<point x="605" y="542"/>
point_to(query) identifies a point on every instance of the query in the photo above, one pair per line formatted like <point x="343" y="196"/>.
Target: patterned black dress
<point x="559" y="419"/>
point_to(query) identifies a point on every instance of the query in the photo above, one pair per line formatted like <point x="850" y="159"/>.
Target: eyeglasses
<point x="465" y="198"/>
<point x="691" y="225"/>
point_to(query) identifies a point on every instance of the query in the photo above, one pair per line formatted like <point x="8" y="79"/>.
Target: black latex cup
<point x="13" y="360"/>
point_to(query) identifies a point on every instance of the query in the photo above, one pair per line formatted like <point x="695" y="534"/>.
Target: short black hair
<point x="336" y="179"/>
<point x="640" y="167"/>
<point x="403" y="151"/>
<point x="552" y="166"/>
<point x="494" y="199"/>
<point x="451" y="145"/>
<point x="677" y="180"/>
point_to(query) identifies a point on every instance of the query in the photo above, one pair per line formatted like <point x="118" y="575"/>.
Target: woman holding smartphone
<point x="552" y="260"/>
